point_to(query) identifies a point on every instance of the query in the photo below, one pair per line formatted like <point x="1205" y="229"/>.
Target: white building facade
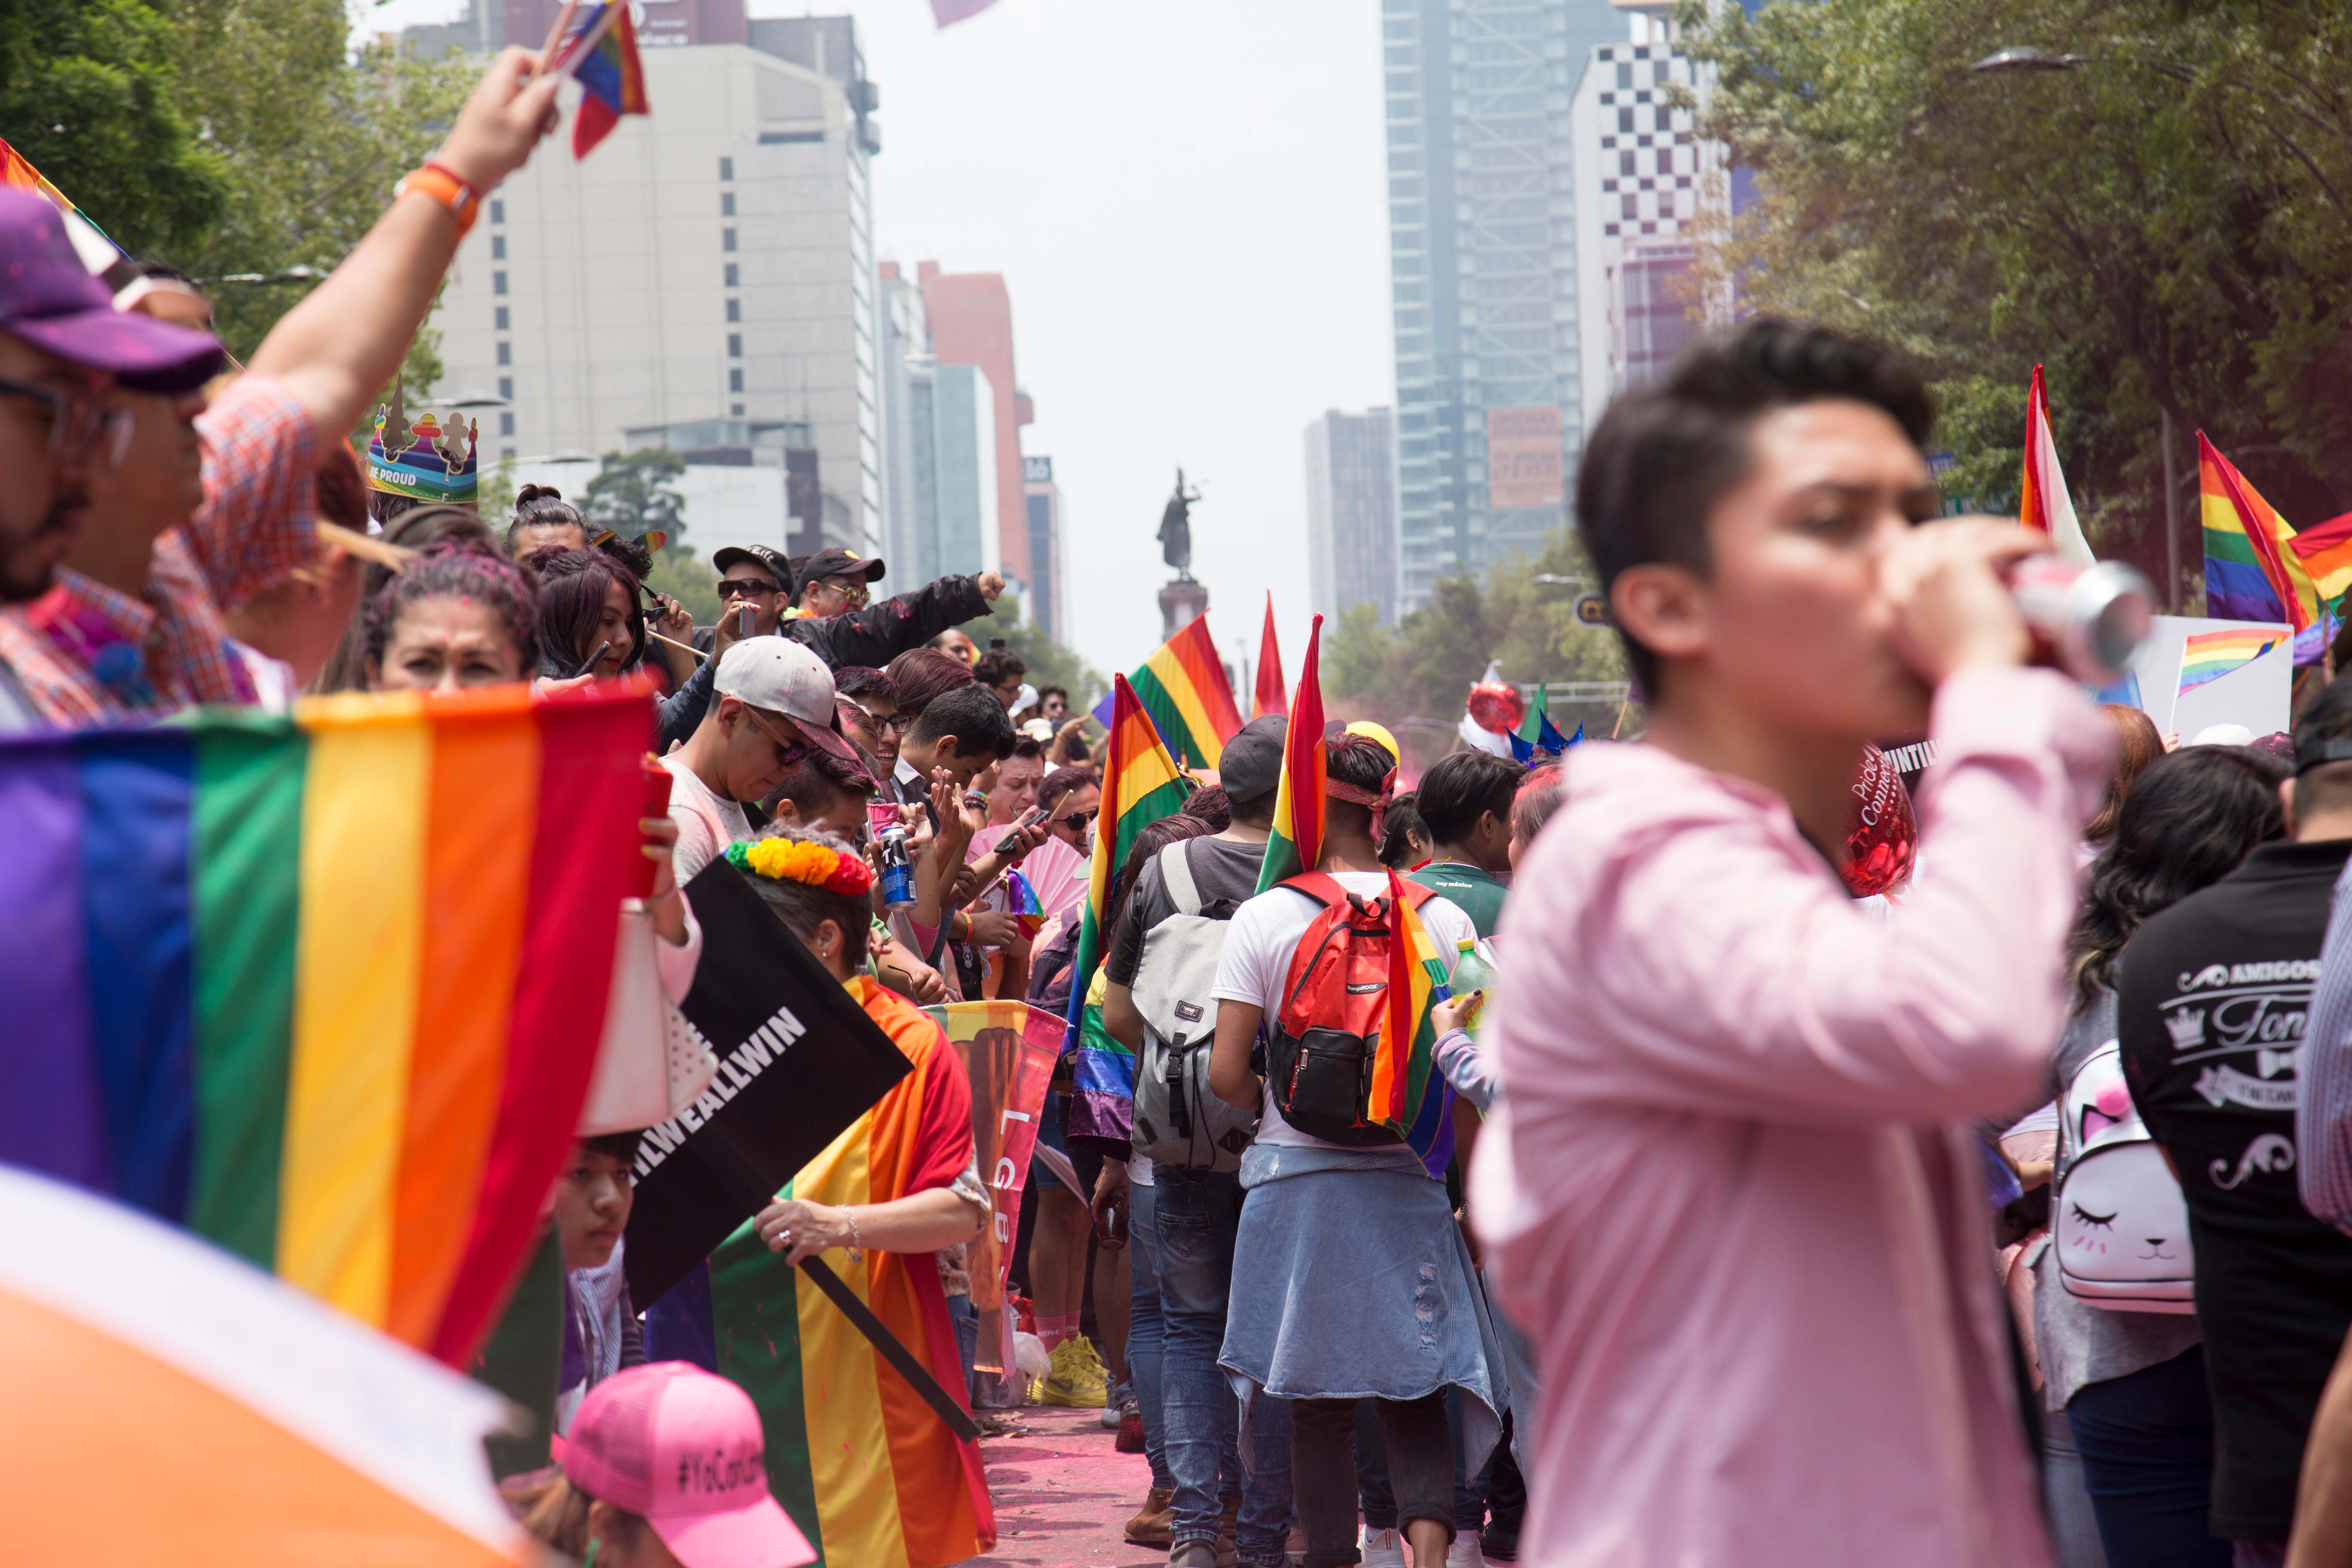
<point x="1352" y="513"/>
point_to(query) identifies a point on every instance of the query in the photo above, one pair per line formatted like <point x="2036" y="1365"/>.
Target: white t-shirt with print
<point x="707" y="823"/>
<point x="1256" y="962"/>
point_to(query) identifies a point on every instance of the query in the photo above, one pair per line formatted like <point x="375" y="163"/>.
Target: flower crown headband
<point x="799" y="860"/>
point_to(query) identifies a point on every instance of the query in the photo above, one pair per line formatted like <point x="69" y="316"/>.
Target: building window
<point x="1632" y="206"/>
<point x="735" y="410"/>
<point x="506" y="422"/>
<point x="726" y="239"/>
<point x="1625" y="119"/>
<point x="734" y="345"/>
<point x="507" y="454"/>
<point x="1609" y="185"/>
<point x="734" y="309"/>
<point x="506" y="351"/>
<point x="497" y="211"/>
<point x="1624" y="74"/>
<point x="735" y="379"/>
<point x="726" y="168"/>
<point x="733" y="278"/>
<point x="1608" y="228"/>
<point x="1665" y="117"/>
<point x="1625" y="161"/>
<point x="788" y="138"/>
<point x="726" y="204"/>
<point x="498" y="282"/>
<point x="502" y="322"/>
<point x="497" y="248"/>
<point x="506" y="387"/>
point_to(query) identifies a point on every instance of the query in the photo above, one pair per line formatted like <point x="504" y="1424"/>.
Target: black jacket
<point x="877" y="633"/>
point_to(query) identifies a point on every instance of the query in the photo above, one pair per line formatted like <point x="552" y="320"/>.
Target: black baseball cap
<point x="1252" y="764"/>
<point x="833" y="561"/>
<point x="760" y="555"/>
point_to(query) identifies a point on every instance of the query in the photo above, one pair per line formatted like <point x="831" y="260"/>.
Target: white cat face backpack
<point x="2118" y="1225"/>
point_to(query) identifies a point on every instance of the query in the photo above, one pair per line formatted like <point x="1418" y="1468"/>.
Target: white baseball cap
<point x="778" y="674"/>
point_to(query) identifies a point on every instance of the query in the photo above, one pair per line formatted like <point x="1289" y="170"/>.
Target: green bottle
<point x="1472" y="972"/>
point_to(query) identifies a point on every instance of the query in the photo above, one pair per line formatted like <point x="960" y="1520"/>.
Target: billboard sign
<point x="1524" y="467"/>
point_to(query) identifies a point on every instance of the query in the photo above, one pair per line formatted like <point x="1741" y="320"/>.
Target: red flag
<point x="1270" y="699"/>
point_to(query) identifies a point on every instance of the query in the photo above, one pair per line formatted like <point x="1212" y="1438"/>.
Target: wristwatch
<point x="438" y="182"/>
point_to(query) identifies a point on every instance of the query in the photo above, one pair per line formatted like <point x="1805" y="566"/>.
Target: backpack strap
<point x="1415" y="894"/>
<point x="1176" y="875"/>
<point x="1320" y="885"/>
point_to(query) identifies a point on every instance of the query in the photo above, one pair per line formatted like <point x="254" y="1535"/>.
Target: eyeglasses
<point x="77" y="424"/>
<point x="744" y="588"/>
<point x="898" y="723"/>
<point x="852" y="594"/>
<point x="1076" y="820"/>
<point x="789" y="753"/>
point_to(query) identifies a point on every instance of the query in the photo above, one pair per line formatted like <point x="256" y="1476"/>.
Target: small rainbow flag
<point x="603" y="57"/>
<point x="2248" y="576"/>
<point x="1298" y="804"/>
<point x="2208" y="656"/>
<point x="1405" y="1066"/>
<point x="2325" y="550"/>
<point x="1020" y="901"/>
<point x="321" y="989"/>
<point x="1184" y="689"/>
<point x="1141" y="786"/>
<point x="17" y="171"/>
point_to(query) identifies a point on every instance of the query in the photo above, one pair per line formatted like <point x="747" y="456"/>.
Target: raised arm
<point x="336" y="350"/>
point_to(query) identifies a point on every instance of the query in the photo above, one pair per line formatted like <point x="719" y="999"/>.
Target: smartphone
<point x="1030" y="818"/>
<point x="743" y="621"/>
<point x="657" y="780"/>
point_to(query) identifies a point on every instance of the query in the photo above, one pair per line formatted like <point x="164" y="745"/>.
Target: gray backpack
<point x="1179" y="1122"/>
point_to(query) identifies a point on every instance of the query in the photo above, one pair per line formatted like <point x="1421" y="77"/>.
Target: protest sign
<point x="1008" y="1050"/>
<point x="2184" y="700"/>
<point x="798" y="1062"/>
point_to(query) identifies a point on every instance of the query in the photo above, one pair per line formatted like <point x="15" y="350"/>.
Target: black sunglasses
<point x="743" y="588"/>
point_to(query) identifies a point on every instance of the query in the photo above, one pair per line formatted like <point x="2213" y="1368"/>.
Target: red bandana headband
<point x="1379" y="804"/>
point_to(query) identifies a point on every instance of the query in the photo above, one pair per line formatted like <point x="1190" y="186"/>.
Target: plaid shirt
<point x="86" y="653"/>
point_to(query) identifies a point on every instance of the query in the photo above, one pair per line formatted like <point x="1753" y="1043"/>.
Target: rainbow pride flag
<point x="2325" y="549"/>
<point x="1298" y="805"/>
<point x="1183" y="687"/>
<point x="2248" y="576"/>
<point x="321" y="989"/>
<point x="2208" y="656"/>
<point x="603" y="57"/>
<point x="1020" y="901"/>
<point x="1408" y="1095"/>
<point x="1141" y="786"/>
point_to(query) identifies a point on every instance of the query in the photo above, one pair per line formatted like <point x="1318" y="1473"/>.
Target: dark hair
<point x="863" y="680"/>
<point x="971" y="713"/>
<point x="2137" y="746"/>
<point x="1402" y="820"/>
<point x="571" y="587"/>
<point x="1046" y="691"/>
<point x="342" y="488"/>
<point x="812" y="785"/>
<point x="1357" y="760"/>
<point x="383" y="506"/>
<point x="458" y="571"/>
<point x="420" y="528"/>
<point x="1028" y="748"/>
<point x="997" y="666"/>
<point x="1063" y="781"/>
<point x="1463" y="787"/>
<point x="803" y="907"/>
<point x="1212" y="805"/>
<point x="1540" y="793"/>
<point x="1154" y="836"/>
<point x="1665" y="452"/>
<point x="632" y="553"/>
<point x="2186" y="824"/>
<point x="543" y="506"/>
<point x="2323" y="786"/>
<point x="921" y="675"/>
<point x="621" y="1146"/>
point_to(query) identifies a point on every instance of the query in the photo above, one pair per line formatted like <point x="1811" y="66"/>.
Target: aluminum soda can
<point x="898" y="872"/>
<point x="2086" y="620"/>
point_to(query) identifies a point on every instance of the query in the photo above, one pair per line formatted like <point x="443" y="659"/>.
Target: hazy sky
<point x="1187" y="201"/>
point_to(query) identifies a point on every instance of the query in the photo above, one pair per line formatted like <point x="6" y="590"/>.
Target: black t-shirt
<point x="1220" y="867"/>
<point x="2211" y="999"/>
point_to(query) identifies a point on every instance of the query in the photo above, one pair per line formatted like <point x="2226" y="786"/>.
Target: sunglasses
<point x="855" y="593"/>
<point x="744" y="588"/>
<point x="789" y="753"/>
<point x="77" y="425"/>
<point x="1076" y="820"/>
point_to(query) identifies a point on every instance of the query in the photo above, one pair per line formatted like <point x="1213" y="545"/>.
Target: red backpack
<point x="1322" y="1042"/>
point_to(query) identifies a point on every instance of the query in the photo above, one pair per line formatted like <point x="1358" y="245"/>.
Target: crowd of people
<point x="2002" y="1219"/>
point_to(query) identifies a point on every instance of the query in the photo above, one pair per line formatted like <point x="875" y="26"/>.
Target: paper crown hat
<point x="422" y="462"/>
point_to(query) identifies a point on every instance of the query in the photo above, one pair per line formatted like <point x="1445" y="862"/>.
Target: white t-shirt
<point x="707" y="823"/>
<point x="1256" y="961"/>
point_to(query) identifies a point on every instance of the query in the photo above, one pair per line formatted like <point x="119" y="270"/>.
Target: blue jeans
<point x="1143" y="1327"/>
<point x="2147" y="1442"/>
<point x="966" y="1323"/>
<point x="1197" y="1214"/>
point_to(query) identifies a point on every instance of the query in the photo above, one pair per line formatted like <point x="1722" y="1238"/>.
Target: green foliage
<point x="692" y="583"/>
<point x="90" y="92"/>
<point x="2165" y="226"/>
<point x="495" y="499"/>
<point x="1050" y="664"/>
<point x="631" y="494"/>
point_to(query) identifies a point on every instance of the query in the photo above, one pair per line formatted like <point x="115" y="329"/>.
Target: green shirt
<point x="1469" y="888"/>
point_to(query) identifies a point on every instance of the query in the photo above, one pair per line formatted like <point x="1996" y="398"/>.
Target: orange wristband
<point x="465" y="203"/>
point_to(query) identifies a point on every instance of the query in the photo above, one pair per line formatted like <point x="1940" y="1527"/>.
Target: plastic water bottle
<point x="1474" y="970"/>
<point x="898" y="872"/>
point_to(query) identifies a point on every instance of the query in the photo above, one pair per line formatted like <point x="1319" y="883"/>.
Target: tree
<point x="631" y="494"/>
<point x="2167" y="226"/>
<point x="692" y="583"/>
<point x="91" y="93"/>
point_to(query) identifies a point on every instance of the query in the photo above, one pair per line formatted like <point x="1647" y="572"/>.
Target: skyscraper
<point x="1044" y="497"/>
<point x="971" y="324"/>
<point x="1351" y="516"/>
<point x="1482" y="247"/>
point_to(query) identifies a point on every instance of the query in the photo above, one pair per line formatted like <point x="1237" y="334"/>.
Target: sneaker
<point x="1382" y="1548"/>
<point x="1114" y="1402"/>
<point x="1130" y="1430"/>
<point x="1464" y="1552"/>
<point x="1294" y="1548"/>
<point x="1075" y="1379"/>
<point x="1500" y="1542"/>
<point x="1150" y="1524"/>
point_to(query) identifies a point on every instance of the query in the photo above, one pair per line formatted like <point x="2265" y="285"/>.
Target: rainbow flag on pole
<point x="2248" y="576"/>
<point x="1184" y="689"/>
<point x="2208" y="656"/>
<point x="321" y="989"/>
<point x="603" y="56"/>
<point x="1141" y="786"/>
<point x="2324" y="551"/>
<point x="1405" y="1066"/>
<point x="1298" y="804"/>
<point x="2043" y="503"/>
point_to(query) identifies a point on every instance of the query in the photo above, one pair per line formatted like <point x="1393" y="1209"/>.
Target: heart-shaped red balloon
<point x="1881" y="837"/>
<point x="1496" y="707"/>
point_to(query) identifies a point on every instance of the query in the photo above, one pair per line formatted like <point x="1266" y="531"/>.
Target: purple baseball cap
<point x="48" y="298"/>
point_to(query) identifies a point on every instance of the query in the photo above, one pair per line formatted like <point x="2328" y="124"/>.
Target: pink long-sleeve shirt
<point x="1729" y="1195"/>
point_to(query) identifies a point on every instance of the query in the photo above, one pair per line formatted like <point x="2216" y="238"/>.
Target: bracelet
<point x="441" y="183"/>
<point x="856" y="1245"/>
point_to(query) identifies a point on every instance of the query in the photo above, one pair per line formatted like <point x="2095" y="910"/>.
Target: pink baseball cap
<point x="681" y="1448"/>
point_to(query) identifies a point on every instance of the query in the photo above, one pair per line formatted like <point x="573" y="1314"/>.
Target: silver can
<point x="2086" y="620"/>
